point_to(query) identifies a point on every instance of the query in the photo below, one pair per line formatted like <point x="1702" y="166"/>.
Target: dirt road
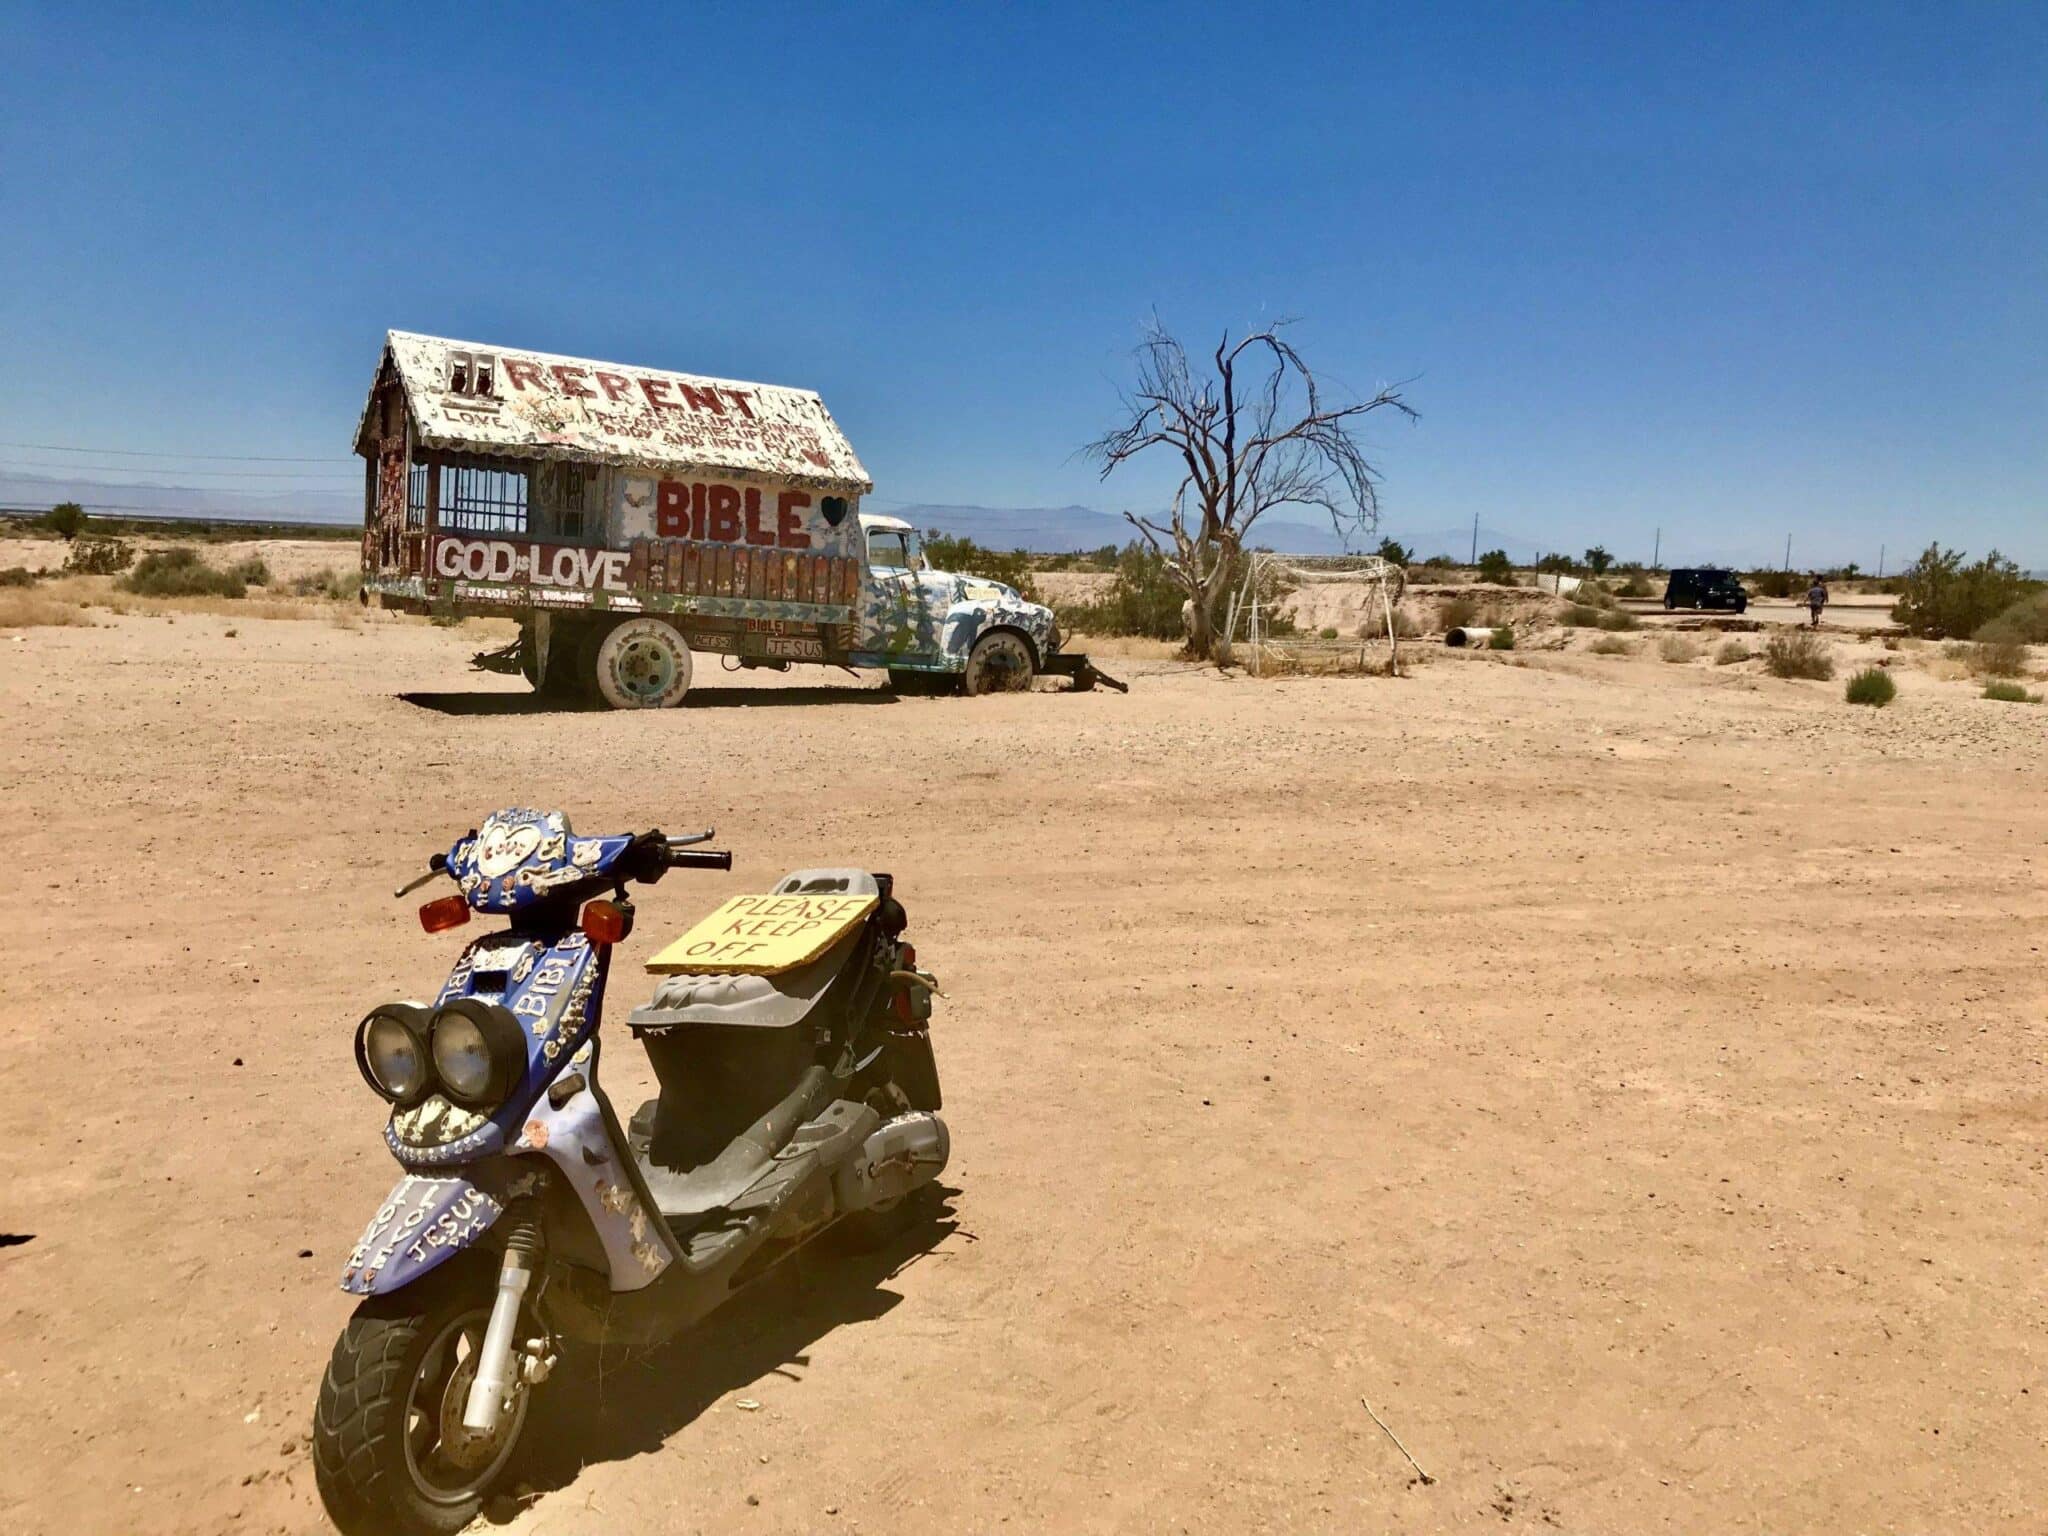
<point x="1628" y="1077"/>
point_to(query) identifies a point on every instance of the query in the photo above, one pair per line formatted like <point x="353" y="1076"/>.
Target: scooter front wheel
<point x="389" y="1450"/>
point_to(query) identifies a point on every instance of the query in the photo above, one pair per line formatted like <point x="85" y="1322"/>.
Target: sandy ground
<point x="1627" y="1077"/>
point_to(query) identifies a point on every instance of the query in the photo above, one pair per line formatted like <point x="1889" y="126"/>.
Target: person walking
<point x="1816" y="599"/>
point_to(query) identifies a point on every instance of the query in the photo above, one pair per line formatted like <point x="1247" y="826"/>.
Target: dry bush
<point x="1612" y="645"/>
<point x="1677" y="648"/>
<point x="29" y="609"/>
<point x="1798" y="653"/>
<point x="98" y="557"/>
<point x="1456" y="612"/>
<point x="19" y="576"/>
<point x="1996" y="658"/>
<point x="1731" y="652"/>
<point x="2025" y="621"/>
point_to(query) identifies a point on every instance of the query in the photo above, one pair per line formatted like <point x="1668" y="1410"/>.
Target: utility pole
<point x="1880" y="562"/>
<point x="1657" y="551"/>
<point x="1475" y="538"/>
<point x="1788" y="551"/>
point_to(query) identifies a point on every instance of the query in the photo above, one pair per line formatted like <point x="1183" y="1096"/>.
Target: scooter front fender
<point x="424" y="1222"/>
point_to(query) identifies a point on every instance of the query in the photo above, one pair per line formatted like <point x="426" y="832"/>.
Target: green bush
<point x="252" y="570"/>
<point x="1143" y="599"/>
<point x="98" y="557"/>
<point x="1494" y="566"/>
<point x="1635" y="586"/>
<point x="2025" y="622"/>
<point x="179" y="572"/>
<point x="1326" y="633"/>
<point x="1776" y="584"/>
<point x="2010" y="693"/>
<point x="19" y="576"/>
<point x="66" y="518"/>
<point x="964" y="557"/>
<point x="1502" y="639"/>
<point x="1798" y="653"/>
<point x="1872" y="686"/>
<point x="1940" y="596"/>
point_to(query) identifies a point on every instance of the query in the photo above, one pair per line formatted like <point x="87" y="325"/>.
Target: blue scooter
<point x="794" y="1100"/>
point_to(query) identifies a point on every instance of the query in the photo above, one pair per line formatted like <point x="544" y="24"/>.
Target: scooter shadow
<point x="641" y="1397"/>
<point x="508" y="703"/>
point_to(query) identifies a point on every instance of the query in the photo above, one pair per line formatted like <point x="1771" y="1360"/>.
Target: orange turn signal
<point x="444" y="912"/>
<point x="606" y="921"/>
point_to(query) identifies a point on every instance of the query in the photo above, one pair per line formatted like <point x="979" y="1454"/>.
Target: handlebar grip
<point x="698" y="858"/>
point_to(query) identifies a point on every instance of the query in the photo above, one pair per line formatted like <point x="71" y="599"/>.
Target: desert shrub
<point x="1677" y="648"/>
<point x="2010" y="693"/>
<point x="19" y="576"/>
<point x="336" y="586"/>
<point x="1554" y="564"/>
<point x="1502" y="639"/>
<point x="964" y="557"/>
<point x="1941" y="596"/>
<point x="67" y="519"/>
<point x="98" y="557"/>
<point x="1617" y="618"/>
<point x="1798" y="653"/>
<point x="1731" y="652"/>
<point x="179" y="572"/>
<point x="1405" y="628"/>
<point x="1394" y="552"/>
<point x="1996" y="658"/>
<point x="1437" y="573"/>
<point x="1580" y="616"/>
<point x="2026" y="622"/>
<point x="36" y="609"/>
<point x="1775" y="583"/>
<point x="1612" y="645"/>
<point x="1635" y="586"/>
<point x="1326" y="633"/>
<point x="1143" y="599"/>
<point x="252" y="570"/>
<point x="1494" y="566"/>
<point x="1872" y="686"/>
<point x="1456" y="612"/>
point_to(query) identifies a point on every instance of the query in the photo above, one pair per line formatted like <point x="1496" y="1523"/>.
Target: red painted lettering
<point x="789" y="524"/>
<point x="722" y="513"/>
<point x="672" y="510"/>
<point x="572" y="385"/>
<point x="522" y="375"/>
<point x="697" y="510"/>
<point x="756" y="534"/>
<point x="654" y="389"/>
<point x="740" y="397"/>
<point x="616" y="386"/>
<point x="701" y="399"/>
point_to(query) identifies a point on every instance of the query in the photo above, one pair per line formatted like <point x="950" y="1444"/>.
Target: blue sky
<point x="1731" y="271"/>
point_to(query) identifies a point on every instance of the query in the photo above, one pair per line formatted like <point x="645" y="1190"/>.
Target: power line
<point x="141" y="453"/>
<point x="333" y="477"/>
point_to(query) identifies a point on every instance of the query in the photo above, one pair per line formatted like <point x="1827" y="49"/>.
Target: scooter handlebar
<point x="697" y="858"/>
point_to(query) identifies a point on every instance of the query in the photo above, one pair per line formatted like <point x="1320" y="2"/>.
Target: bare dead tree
<point x="1251" y="435"/>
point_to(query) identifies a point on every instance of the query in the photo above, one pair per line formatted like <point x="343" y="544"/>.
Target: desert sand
<point x="1626" y="1077"/>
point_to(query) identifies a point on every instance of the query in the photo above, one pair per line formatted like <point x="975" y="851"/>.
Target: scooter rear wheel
<point x="389" y="1450"/>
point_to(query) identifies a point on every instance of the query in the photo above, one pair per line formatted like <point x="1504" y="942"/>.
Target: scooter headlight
<point x="479" y="1052"/>
<point x="391" y="1050"/>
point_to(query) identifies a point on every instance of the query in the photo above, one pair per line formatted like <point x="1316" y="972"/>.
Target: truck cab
<point x="925" y="625"/>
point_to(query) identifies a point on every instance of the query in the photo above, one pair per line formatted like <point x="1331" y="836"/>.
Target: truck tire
<point x="566" y="678"/>
<point x="999" y="663"/>
<point x="643" y="664"/>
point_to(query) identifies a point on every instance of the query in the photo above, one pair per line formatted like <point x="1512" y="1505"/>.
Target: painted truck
<point x="633" y="520"/>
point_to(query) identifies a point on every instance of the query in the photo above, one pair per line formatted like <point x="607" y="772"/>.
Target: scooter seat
<point x="759" y="1002"/>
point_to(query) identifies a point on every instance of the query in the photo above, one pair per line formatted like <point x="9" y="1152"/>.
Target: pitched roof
<point x="538" y="405"/>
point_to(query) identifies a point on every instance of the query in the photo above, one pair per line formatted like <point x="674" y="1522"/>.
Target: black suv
<point x="1705" y="588"/>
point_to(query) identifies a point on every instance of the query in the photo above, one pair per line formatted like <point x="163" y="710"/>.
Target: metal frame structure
<point x="1386" y="580"/>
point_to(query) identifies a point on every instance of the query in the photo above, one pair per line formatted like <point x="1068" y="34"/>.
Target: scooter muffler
<point x="897" y="1157"/>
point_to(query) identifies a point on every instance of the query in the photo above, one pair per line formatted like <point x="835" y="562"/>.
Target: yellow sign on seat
<point x="760" y="935"/>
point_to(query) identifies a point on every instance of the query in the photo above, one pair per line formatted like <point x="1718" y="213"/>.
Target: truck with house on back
<point x="631" y="519"/>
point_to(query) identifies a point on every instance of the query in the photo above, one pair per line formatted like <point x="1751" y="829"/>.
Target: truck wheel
<point x="999" y="663"/>
<point x="643" y="664"/>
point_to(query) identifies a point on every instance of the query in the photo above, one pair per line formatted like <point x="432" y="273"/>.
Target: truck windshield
<point x="889" y="548"/>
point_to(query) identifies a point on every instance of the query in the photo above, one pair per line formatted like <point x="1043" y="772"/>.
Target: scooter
<point x="790" y="1035"/>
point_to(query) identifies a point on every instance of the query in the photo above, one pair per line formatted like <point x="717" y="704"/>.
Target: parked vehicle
<point x="633" y="520"/>
<point x="790" y="1035"/>
<point x="1705" y="587"/>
